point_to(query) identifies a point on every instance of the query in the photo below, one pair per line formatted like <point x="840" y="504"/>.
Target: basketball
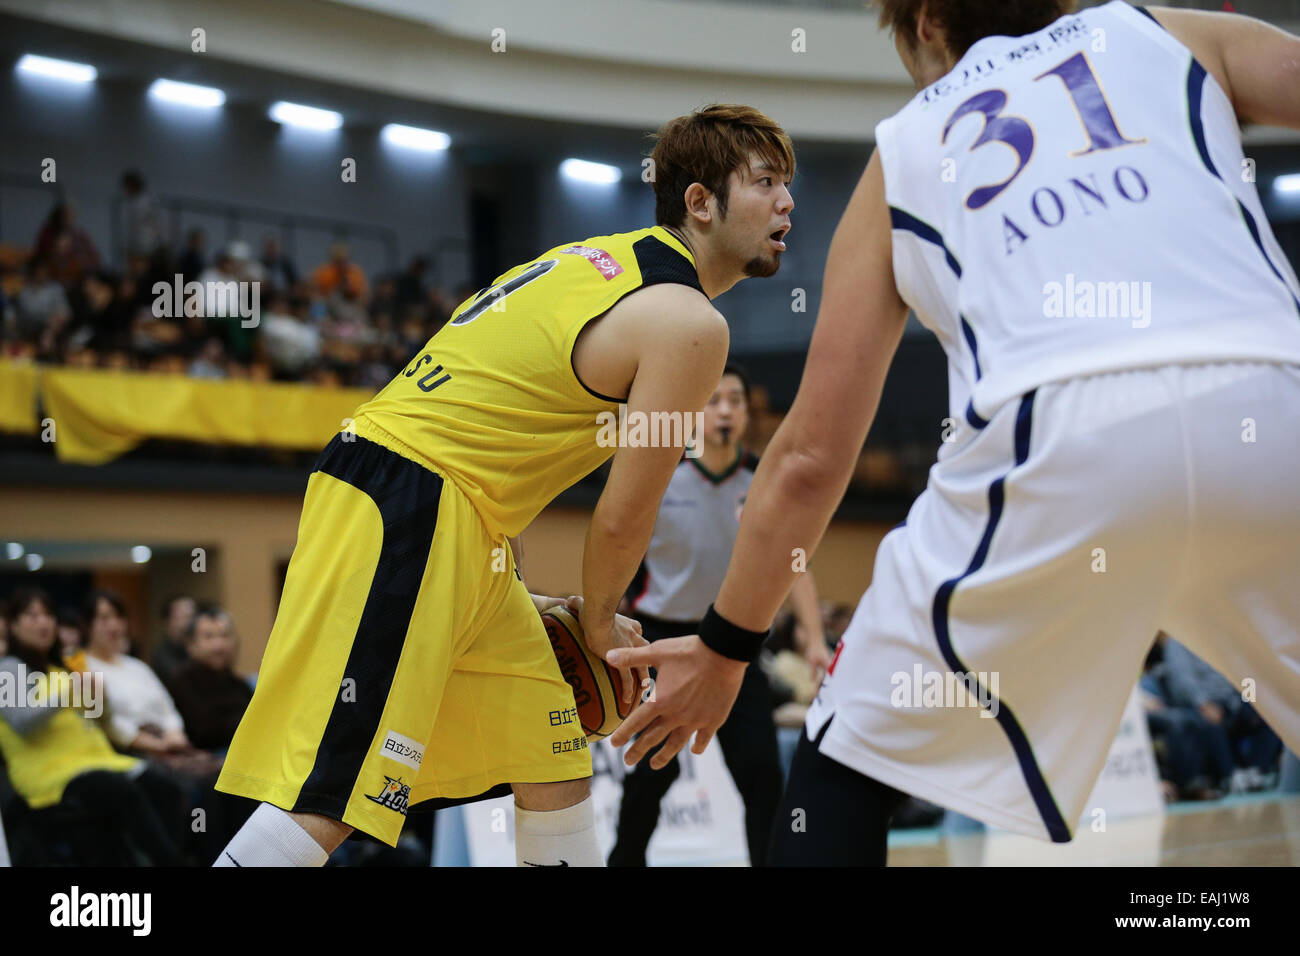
<point x="597" y="687"/>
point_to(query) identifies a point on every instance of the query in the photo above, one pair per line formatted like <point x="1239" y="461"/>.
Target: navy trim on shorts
<point x="967" y="331"/>
<point x="407" y="496"/>
<point x="1038" y="788"/>
<point x="1196" y="76"/>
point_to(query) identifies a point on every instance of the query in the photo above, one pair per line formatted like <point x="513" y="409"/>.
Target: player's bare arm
<point x="800" y="480"/>
<point x="1256" y="63"/>
<point x="678" y="343"/>
<point x="810" y="635"/>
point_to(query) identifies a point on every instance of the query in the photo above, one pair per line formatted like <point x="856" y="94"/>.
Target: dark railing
<point x="448" y="255"/>
<point x="237" y="216"/>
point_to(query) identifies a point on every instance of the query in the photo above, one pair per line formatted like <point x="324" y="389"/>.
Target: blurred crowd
<point x="123" y="774"/>
<point x="330" y="324"/>
<point x="1208" y="737"/>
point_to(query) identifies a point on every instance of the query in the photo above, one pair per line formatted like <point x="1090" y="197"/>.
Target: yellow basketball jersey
<point x="493" y="402"/>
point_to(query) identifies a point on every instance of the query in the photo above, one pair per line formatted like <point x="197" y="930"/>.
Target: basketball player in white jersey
<point x="1124" y="463"/>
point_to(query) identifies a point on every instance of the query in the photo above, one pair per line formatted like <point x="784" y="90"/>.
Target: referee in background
<point x="680" y="576"/>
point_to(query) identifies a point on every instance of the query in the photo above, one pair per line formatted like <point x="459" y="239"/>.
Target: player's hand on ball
<point x="603" y="638"/>
<point x="543" y="603"/>
<point x="693" y="693"/>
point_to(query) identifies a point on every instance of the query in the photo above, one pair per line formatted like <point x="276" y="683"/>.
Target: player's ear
<point x="926" y="28"/>
<point x="699" y="205"/>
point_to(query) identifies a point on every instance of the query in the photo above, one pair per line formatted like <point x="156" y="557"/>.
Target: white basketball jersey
<point x="1076" y="201"/>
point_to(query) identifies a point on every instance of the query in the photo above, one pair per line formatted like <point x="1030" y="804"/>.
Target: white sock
<point x="272" y="838"/>
<point x="557" y="837"/>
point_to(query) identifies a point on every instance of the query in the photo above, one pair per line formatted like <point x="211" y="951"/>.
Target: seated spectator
<point x="56" y="756"/>
<point x="143" y="720"/>
<point x="193" y="257"/>
<point x="72" y="637"/>
<point x="101" y="319"/>
<point x="41" y="309"/>
<point x="170" y="651"/>
<point x="210" y="696"/>
<point x="341" y="276"/>
<point x="289" y="339"/>
<point x="66" y="245"/>
<point x="210" y="362"/>
<point x="280" y="272"/>
<point x="226" y="289"/>
<point x="1232" y="727"/>
<point x="1191" y="758"/>
<point x="409" y="288"/>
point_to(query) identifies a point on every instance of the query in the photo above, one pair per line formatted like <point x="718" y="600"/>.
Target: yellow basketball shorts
<point x="407" y="662"/>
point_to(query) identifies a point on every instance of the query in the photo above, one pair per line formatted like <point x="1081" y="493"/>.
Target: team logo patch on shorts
<point x="403" y="749"/>
<point x="605" y="264"/>
<point x="395" y="795"/>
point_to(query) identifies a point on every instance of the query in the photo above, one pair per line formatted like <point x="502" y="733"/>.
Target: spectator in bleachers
<point x="143" y="720"/>
<point x="146" y="232"/>
<point x="210" y="696"/>
<point x="56" y="756"/>
<point x="193" y="258"/>
<point x="72" y="633"/>
<point x="65" y="245"/>
<point x="1243" y="750"/>
<point x="290" y="341"/>
<point x="279" y="271"/>
<point x="210" y="362"/>
<point x="234" y="265"/>
<point x="41" y="309"/>
<point x="409" y="288"/>
<point x="170" y="651"/>
<point x="101" y="320"/>
<point x="341" y="276"/>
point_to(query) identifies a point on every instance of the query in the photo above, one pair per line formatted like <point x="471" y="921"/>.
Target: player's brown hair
<point x="964" y="22"/>
<point x="706" y="147"/>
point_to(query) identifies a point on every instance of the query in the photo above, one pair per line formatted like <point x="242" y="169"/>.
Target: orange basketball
<point x="597" y="687"/>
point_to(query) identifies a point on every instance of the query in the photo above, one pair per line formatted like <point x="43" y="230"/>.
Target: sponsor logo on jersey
<point x="605" y="264"/>
<point x="394" y="796"/>
<point x="403" y="749"/>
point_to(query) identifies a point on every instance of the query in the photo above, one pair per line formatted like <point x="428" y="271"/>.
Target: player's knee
<point x="551" y="796"/>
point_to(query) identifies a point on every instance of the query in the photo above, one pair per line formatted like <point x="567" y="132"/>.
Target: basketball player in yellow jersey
<point x="408" y="662"/>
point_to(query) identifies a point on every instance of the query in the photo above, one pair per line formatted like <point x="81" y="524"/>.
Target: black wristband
<point x="723" y="637"/>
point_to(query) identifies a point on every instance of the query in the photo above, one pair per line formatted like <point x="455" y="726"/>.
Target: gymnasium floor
<point x="1249" y="830"/>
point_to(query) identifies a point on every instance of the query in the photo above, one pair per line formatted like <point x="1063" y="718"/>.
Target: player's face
<point x="727" y="413"/>
<point x="758" y="217"/>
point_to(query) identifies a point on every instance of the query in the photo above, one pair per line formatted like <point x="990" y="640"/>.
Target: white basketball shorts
<point x="1048" y="548"/>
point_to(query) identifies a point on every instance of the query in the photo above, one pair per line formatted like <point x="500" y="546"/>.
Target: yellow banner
<point x="101" y="414"/>
<point x="18" y="397"/>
